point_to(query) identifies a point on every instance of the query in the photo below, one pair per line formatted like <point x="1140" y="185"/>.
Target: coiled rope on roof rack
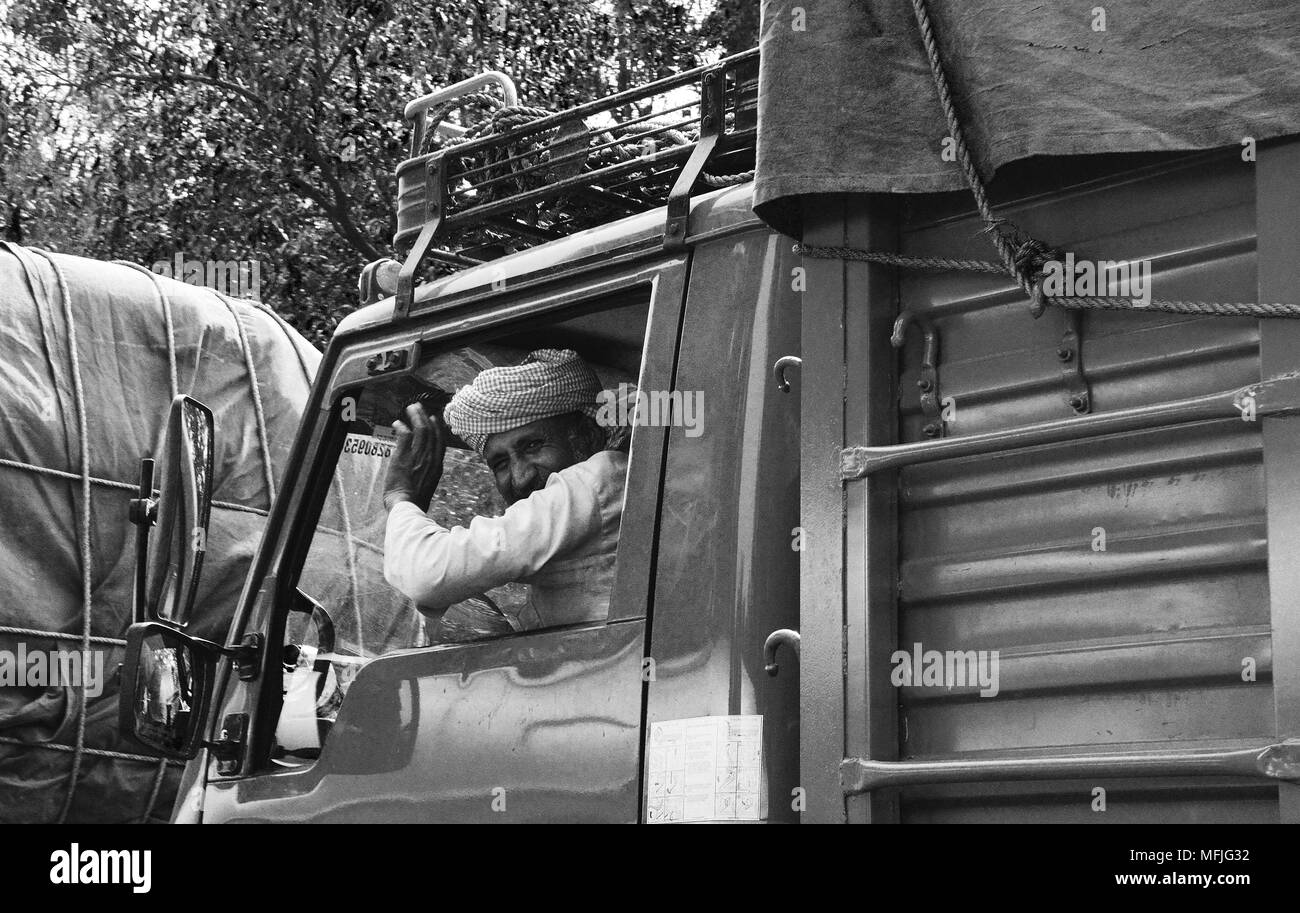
<point x="619" y="142"/>
<point x="1023" y="257"/>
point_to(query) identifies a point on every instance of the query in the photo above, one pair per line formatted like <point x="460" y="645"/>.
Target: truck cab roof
<point x="718" y="212"/>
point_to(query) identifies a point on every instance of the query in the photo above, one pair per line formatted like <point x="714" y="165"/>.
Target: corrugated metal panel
<point x="1137" y="646"/>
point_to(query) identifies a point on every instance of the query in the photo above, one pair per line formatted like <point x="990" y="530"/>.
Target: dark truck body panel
<point x="1135" y="648"/>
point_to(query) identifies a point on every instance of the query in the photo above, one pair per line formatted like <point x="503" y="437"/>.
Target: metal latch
<point x="391" y="360"/>
<point x="928" y="383"/>
<point x="228" y="748"/>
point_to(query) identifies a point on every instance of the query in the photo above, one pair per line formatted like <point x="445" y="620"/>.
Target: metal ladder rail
<point x="1279" y="761"/>
<point x="1276" y="396"/>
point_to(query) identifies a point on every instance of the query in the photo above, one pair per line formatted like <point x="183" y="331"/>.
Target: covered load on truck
<point x="849" y="105"/>
<point x="93" y="353"/>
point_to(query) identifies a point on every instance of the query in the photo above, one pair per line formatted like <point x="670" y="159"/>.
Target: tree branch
<point x="160" y="78"/>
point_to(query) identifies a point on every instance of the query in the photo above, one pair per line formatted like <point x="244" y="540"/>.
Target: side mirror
<point x="167" y="570"/>
<point x="167" y="681"/>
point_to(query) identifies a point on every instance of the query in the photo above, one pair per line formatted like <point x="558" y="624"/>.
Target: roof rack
<point x="524" y="176"/>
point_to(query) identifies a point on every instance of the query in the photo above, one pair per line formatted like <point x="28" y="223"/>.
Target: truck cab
<point x="348" y="710"/>
<point x="852" y="468"/>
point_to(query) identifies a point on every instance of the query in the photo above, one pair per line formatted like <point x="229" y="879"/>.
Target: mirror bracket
<point x="143" y="512"/>
<point x="229" y="746"/>
<point x="247" y="656"/>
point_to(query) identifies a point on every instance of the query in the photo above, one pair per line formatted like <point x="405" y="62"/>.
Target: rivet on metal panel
<point x="928" y="383"/>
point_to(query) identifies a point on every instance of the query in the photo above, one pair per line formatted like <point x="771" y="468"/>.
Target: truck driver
<point x="561" y="474"/>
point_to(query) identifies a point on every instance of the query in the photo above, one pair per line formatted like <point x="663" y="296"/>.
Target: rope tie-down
<point x="80" y="747"/>
<point x="1021" y="256"/>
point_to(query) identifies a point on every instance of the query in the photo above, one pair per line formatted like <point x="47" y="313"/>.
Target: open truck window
<point x="350" y="614"/>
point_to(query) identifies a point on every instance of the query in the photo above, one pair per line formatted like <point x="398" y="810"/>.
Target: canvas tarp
<point x="848" y="103"/>
<point x="228" y="353"/>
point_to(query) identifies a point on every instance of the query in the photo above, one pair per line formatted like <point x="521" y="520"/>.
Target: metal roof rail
<point x="417" y="110"/>
<point x="524" y="176"/>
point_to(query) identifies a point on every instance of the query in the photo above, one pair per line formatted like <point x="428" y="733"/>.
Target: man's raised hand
<point x="415" y="467"/>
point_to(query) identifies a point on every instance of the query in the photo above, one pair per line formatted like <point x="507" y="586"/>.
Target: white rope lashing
<point x="79" y="400"/>
<point x="258" y="414"/>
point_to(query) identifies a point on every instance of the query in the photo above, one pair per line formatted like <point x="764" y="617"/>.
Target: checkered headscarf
<point x="547" y="383"/>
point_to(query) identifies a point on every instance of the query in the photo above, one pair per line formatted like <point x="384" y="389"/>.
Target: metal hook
<point x="774" y="640"/>
<point x="778" y="370"/>
<point x="929" y="380"/>
<point x="930" y="356"/>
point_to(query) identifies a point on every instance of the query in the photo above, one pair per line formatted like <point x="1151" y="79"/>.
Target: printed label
<point x="365" y="445"/>
<point x="706" y="768"/>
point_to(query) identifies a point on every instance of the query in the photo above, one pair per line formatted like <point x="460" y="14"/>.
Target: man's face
<point x="523" y="459"/>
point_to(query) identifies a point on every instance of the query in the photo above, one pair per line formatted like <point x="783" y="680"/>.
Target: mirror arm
<point x="246" y="656"/>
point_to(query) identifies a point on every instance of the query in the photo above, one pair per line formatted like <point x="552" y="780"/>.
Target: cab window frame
<point x="661" y="283"/>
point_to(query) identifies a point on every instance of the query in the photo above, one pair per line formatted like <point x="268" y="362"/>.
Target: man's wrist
<point x="393" y="498"/>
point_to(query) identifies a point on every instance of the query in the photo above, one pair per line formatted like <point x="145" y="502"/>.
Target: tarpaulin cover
<point x="121" y="342"/>
<point x="848" y="103"/>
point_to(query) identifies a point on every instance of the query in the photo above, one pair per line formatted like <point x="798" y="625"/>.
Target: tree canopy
<point x="268" y="130"/>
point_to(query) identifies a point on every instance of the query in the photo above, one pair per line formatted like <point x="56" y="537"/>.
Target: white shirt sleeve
<point x="437" y="567"/>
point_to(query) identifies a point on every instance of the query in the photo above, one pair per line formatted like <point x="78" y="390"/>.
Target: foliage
<point x="269" y="130"/>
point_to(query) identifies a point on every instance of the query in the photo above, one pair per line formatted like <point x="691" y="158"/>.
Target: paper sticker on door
<point x="706" y="768"/>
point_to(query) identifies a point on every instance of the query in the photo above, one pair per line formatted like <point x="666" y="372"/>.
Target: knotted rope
<point x="1023" y="257"/>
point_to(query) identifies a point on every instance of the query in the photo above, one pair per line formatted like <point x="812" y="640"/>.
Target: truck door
<point x="1130" y="589"/>
<point x="357" y="718"/>
<point x="724" y="734"/>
